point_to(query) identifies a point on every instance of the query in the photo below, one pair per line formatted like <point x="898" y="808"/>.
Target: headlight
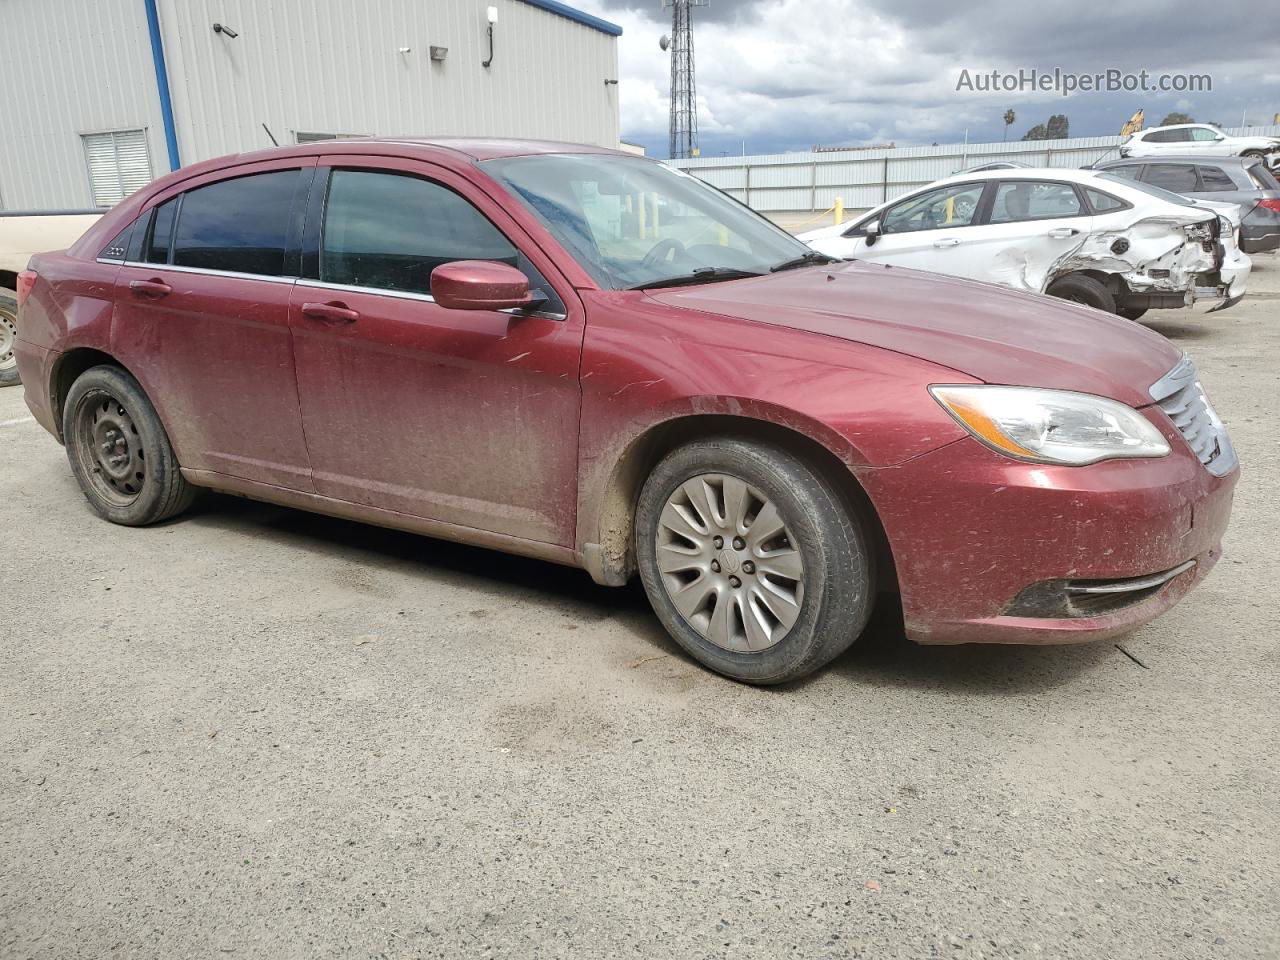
<point x="1051" y="426"/>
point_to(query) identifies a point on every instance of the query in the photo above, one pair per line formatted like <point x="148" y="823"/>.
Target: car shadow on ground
<point x="882" y="656"/>
<point x="1178" y="328"/>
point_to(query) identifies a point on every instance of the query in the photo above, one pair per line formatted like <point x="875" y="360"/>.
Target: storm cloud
<point x="785" y="75"/>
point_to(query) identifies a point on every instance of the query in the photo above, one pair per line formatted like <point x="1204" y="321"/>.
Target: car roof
<point x="1179" y="126"/>
<point x="453" y="151"/>
<point x="1069" y="174"/>
<point x="1176" y="158"/>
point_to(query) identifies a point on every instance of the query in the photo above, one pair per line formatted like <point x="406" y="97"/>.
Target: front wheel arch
<point x="610" y="556"/>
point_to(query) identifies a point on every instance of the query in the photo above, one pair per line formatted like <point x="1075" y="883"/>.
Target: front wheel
<point x="755" y="565"/>
<point x="119" y="450"/>
<point x="8" y="334"/>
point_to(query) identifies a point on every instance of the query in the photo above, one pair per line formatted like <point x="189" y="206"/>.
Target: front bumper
<point x="971" y="531"/>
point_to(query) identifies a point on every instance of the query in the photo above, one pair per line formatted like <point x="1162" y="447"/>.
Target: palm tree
<point x="1009" y="118"/>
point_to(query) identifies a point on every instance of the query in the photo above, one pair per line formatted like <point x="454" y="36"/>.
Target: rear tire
<point x="119" y="450"/>
<point x="752" y="560"/>
<point x="1078" y="288"/>
<point x="8" y="334"/>
<point x="1131" y="313"/>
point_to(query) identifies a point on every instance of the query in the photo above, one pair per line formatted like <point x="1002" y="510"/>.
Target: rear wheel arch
<point x="68" y="369"/>
<point x="610" y="557"/>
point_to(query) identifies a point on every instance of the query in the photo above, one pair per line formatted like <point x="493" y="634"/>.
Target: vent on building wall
<point x="119" y="163"/>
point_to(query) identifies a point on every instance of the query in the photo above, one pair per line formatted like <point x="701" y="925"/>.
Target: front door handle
<point x="150" y="288"/>
<point x="333" y="312"/>
<point x="1061" y="233"/>
<point x="947" y="242"/>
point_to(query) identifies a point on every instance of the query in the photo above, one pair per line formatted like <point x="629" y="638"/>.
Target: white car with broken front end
<point x="1081" y="235"/>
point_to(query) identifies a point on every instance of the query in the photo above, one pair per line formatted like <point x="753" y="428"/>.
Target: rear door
<point x="927" y="231"/>
<point x="1030" y="226"/>
<point x="202" y="319"/>
<point x="464" y="416"/>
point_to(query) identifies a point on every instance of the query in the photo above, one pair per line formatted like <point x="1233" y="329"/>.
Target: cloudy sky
<point x="787" y="74"/>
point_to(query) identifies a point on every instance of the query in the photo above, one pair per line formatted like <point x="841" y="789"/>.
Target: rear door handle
<point x="333" y="312"/>
<point x="1061" y="233"/>
<point x="150" y="288"/>
<point x="947" y="242"/>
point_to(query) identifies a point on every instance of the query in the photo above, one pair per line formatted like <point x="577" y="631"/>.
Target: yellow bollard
<point x="839" y="209"/>
<point x="641" y="208"/>
<point x="723" y="233"/>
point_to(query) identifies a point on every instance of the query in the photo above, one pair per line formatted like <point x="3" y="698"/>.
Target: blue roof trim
<point x="555" y="6"/>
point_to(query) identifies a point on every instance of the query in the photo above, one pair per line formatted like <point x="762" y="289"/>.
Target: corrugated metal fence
<point x="795" y="182"/>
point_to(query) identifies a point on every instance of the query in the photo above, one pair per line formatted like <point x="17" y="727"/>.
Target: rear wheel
<point x="1081" y="289"/>
<point x="751" y="560"/>
<point x="8" y="334"/>
<point x="119" y="450"/>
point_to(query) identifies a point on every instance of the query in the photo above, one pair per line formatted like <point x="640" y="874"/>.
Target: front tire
<point x="1132" y="313"/>
<point x="119" y="451"/>
<point x="755" y="565"/>
<point x="8" y="334"/>
<point x="1078" y="288"/>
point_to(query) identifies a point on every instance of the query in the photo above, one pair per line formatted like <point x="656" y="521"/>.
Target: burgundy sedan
<point x="594" y="359"/>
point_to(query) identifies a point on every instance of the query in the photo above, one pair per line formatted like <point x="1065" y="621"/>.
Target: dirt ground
<point x="255" y="732"/>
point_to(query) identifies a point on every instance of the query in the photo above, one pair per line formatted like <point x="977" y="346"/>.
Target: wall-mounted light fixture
<point x="491" y="15"/>
<point x="225" y="30"/>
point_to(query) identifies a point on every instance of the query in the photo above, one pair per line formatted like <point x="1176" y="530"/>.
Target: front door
<point x="929" y="231"/>
<point x="464" y="416"/>
<point x="203" y="315"/>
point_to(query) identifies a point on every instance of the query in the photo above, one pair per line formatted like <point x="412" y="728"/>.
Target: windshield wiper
<point x="804" y="260"/>
<point x="701" y="275"/>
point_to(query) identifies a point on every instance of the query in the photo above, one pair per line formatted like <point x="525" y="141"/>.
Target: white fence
<point x="796" y="182"/>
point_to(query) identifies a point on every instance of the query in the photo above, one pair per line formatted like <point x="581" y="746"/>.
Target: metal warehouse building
<point x="101" y="96"/>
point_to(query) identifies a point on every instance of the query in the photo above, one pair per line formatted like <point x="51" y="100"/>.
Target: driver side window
<point x="1203" y="134"/>
<point x="954" y="205"/>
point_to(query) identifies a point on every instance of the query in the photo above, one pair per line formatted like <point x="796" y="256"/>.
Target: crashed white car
<point x="1082" y="235"/>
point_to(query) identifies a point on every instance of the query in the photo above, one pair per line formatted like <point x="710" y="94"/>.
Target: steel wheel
<point x="8" y="334"/>
<point x="109" y="448"/>
<point x="729" y="564"/>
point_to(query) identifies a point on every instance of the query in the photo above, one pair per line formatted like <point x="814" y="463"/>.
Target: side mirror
<point x="872" y="231"/>
<point x="480" y="285"/>
<point x="1219" y="137"/>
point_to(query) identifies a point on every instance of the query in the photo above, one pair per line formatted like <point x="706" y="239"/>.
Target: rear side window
<point x="238" y="225"/>
<point x="1028" y="200"/>
<point x="1262" y="178"/>
<point x="1103" y="202"/>
<point x="1178" y="177"/>
<point x="388" y="231"/>
<point x="1129" y="172"/>
<point x="1215" y="179"/>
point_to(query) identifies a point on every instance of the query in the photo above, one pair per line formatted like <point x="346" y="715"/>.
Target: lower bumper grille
<point x="1069" y="599"/>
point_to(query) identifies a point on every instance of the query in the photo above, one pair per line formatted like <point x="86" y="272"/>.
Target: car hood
<point x="988" y="332"/>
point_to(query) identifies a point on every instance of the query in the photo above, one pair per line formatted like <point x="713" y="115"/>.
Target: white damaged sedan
<point x="1081" y="235"/>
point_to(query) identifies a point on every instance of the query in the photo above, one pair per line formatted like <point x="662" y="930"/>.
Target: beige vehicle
<point x="21" y="235"/>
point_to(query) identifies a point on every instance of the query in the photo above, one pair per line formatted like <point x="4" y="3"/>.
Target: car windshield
<point x="632" y="222"/>
<point x="1147" y="188"/>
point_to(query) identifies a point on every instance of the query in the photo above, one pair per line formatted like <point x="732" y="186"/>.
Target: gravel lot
<point x="255" y="732"/>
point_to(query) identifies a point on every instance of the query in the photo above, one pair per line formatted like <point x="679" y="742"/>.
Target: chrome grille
<point x="1181" y="396"/>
